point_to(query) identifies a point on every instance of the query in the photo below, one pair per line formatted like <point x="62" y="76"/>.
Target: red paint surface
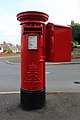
<point x="32" y="60"/>
<point x="58" y="43"/>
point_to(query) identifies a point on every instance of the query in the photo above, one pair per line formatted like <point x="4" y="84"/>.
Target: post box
<point x="58" y="43"/>
<point x="33" y="30"/>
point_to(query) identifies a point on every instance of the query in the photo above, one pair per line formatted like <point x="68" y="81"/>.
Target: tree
<point x="76" y="32"/>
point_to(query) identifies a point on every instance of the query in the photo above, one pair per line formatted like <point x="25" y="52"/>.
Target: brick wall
<point x="76" y="52"/>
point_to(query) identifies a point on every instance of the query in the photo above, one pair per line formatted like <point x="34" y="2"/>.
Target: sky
<point x="59" y="11"/>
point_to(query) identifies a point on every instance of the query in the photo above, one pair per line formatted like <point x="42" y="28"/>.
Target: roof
<point x="7" y="46"/>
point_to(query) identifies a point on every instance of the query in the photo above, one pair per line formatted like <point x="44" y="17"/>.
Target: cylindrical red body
<point x="32" y="58"/>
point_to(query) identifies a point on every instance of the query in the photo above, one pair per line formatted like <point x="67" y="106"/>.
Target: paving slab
<point x="61" y="106"/>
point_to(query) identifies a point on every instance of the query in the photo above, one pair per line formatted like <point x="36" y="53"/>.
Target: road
<point x="9" y="77"/>
<point x="62" y="78"/>
<point x="58" y="77"/>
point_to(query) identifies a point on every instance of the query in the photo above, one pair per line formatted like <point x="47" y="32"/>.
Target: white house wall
<point x="1" y="50"/>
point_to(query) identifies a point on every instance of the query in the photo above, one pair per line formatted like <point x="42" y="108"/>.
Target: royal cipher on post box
<point x="58" y="43"/>
<point x="33" y="33"/>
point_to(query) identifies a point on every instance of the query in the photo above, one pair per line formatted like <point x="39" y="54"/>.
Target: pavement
<point x="16" y="60"/>
<point x="62" y="106"/>
<point x="59" y="106"/>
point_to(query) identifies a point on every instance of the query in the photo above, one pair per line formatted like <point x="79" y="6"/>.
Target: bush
<point x="9" y="51"/>
<point x="74" y="44"/>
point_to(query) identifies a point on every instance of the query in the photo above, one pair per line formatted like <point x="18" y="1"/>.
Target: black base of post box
<point x="31" y="100"/>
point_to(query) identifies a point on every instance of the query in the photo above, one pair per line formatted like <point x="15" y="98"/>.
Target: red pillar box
<point x="32" y="58"/>
<point x="58" y="43"/>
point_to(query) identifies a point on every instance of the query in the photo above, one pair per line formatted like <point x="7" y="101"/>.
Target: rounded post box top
<point x="32" y="16"/>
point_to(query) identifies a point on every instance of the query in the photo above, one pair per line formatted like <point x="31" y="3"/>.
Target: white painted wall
<point x="1" y="49"/>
